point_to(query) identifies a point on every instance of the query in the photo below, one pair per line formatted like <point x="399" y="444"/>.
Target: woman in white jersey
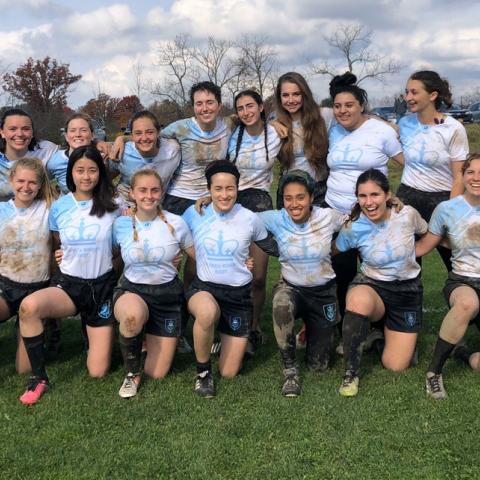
<point x="25" y="253"/>
<point x="221" y="291"/>
<point x="81" y="223"/>
<point x="307" y="288"/>
<point x="253" y="148"/>
<point x="149" y="294"/>
<point x="458" y="220"/>
<point x="435" y="147"/>
<point x="388" y="286"/>
<point x="17" y="141"/>
<point x="306" y="145"/>
<point x="145" y="150"/>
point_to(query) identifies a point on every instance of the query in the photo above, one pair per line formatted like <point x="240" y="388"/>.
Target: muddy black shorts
<point x="176" y="205"/>
<point x="14" y="292"/>
<point x="454" y="281"/>
<point x="403" y="300"/>
<point x="316" y="304"/>
<point x="235" y="303"/>
<point x="255" y="200"/>
<point x="424" y="202"/>
<point x="165" y="302"/>
<point x="92" y="297"/>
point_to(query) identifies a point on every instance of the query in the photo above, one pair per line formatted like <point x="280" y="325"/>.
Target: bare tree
<point x="354" y="42"/>
<point x="176" y="56"/>
<point x="259" y="61"/>
<point x="217" y="62"/>
<point x="138" y="83"/>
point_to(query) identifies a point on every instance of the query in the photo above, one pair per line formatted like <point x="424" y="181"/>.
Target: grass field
<point x="82" y="429"/>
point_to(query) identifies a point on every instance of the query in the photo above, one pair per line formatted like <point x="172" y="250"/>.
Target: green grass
<point x="82" y="429"/>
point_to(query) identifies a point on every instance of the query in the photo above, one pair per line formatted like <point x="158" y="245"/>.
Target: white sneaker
<point x="435" y="388"/>
<point x="129" y="387"/>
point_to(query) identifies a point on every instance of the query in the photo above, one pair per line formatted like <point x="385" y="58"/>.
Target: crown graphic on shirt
<point x="146" y="254"/>
<point x="419" y="154"/>
<point x="303" y="252"/>
<point x="82" y="235"/>
<point x="347" y="155"/>
<point x="220" y="249"/>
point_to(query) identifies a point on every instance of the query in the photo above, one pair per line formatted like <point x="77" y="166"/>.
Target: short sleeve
<point x="392" y="145"/>
<point x="259" y="230"/>
<point x="338" y="219"/>
<point x="52" y="219"/>
<point x="420" y="225"/>
<point x="346" y="238"/>
<point x="170" y="131"/>
<point x="183" y="234"/>
<point x="437" y="223"/>
<point x="458" y="148"/>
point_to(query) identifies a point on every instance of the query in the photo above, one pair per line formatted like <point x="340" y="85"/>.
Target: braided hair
<point x="241" y="128"/>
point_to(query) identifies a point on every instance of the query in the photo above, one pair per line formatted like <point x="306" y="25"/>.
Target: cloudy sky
<point x="103" y="39"/>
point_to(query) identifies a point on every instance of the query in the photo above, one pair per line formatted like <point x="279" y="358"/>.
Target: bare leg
<point x="231" y="355"/>
<point x="161" y="351"/>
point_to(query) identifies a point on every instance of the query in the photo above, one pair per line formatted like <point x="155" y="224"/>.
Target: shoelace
<point x="435" y="384"/>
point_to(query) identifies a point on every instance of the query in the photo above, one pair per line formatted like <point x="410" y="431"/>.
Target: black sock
<point x="319" y="347"/>
<point x="36" y="354"/>
<point x="131" y="349"/>
<point x="204" y="367"/>
<point x="462" y="352"/>
<point x="442" y="351"/>
<point x="289" y="356"/>
<point x="355" y="332"/>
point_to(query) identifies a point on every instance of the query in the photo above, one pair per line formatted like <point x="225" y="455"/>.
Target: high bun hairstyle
<point x="347" y="83"/>
<point x="434" y="83"/>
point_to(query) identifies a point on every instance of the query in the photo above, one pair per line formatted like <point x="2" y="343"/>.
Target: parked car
<point x="459" y="113"/>
<point x="387" y="113"/>
<point x="474" y="111"/>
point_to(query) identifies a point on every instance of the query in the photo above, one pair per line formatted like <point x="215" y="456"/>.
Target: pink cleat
<point x="35" y="389"/>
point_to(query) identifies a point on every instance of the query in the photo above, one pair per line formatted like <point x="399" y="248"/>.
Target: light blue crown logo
<point x="346" y="155"/>
<point x="387" y="254"/>
<point x="146" y="254"/>
<point x="220" y="249"/>
<point x="82" y="235"/>
<point x="420" y="155"/>
<point x="304" y="253"/>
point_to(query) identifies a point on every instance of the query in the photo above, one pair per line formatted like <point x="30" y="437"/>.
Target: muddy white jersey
<point x="305" y="248"/>
<point x="387" y="248"/>
<point x="198" y="148"/>
<point x="429" y="151"/>
<point x="255" y="171"/>
<point x="460" y="222"/>
<point x="25" y="249"/>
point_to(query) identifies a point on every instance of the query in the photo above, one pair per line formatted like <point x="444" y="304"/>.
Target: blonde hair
<point x="46" y="192"/>
<point x="147" y="172"/>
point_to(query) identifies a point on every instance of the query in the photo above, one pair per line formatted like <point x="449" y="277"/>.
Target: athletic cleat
<point x="301" y="338"/>
<point x="204" y="386"/>
<point x="349" y="387"/>
<point x="291" y="385"/>
<point x="183" y="346"/>
<point x="434" y="385"/>
<point x="129" y="386"/>
<point x="35" y="389"/>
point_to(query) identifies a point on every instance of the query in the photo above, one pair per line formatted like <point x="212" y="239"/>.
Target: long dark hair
<point x="315" y="138"/>
<point x="434" y="83"/>
<point x="22" y="113"/>
<point x="241" y="128"/>
<point x="102" y="194"/>
<point x="371" y="175"/>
